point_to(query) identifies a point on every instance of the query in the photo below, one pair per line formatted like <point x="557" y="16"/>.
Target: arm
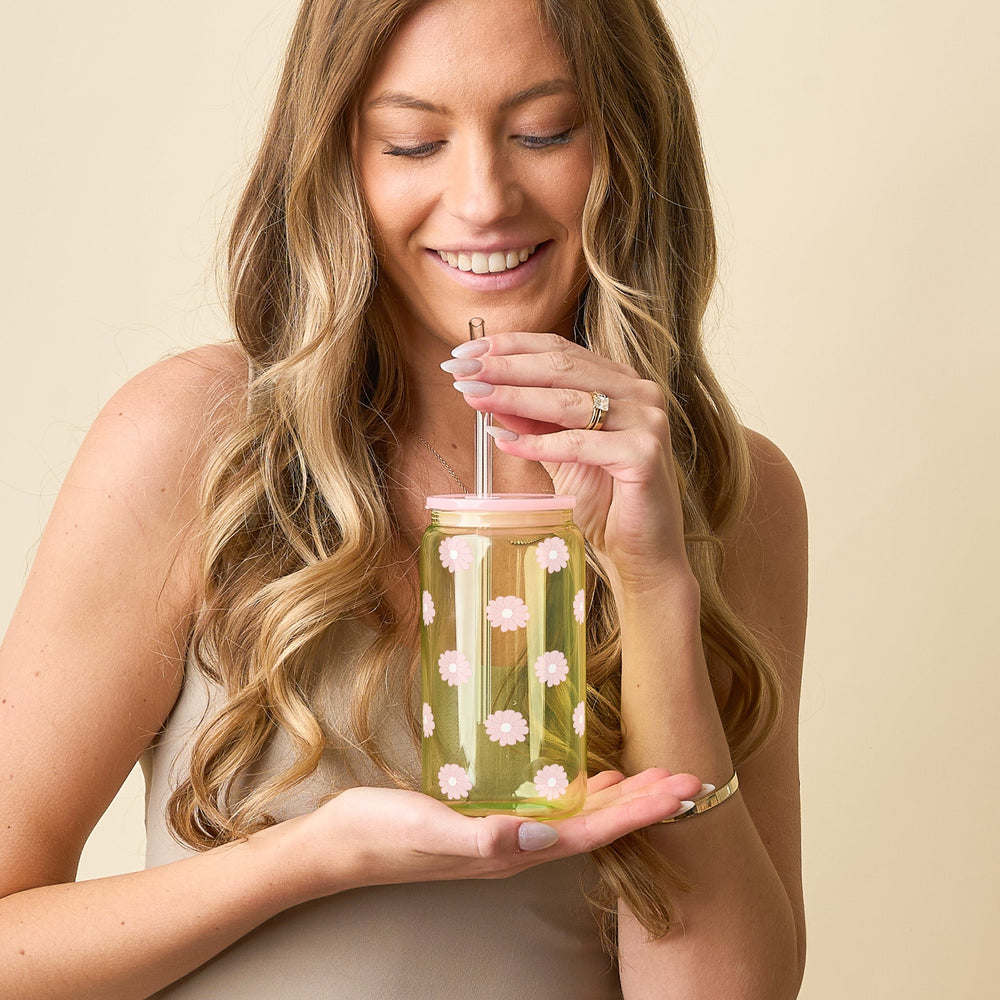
<point x="742" y="933"/>
<point x="89" y="669"/>
<point x="742" y="929"/>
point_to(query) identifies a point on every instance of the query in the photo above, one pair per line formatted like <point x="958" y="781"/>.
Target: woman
<point x="226" y="587"/>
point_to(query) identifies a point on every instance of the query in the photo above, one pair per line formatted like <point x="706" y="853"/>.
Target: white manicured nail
<point x="470" y="349"/>
<point x="501" y="434"/>
<point x="474" y="388"/>
<point x="533" y="836"/>
<point x="462" y="366"/>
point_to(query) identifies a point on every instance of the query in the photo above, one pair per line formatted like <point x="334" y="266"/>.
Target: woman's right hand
<point x="375" y="836"/>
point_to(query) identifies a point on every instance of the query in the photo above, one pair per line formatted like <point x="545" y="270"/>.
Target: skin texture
<point x="482" y="148"/>
<point x="93" y="659"/>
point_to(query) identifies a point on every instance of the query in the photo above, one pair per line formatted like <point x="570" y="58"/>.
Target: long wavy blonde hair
<point x="299" y="527"/>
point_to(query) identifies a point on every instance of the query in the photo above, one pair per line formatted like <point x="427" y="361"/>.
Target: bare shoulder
<point x="765" y="571"/>
<point x="765" y="578"/>
<point x="148" y="445"/>
<point x="179" y="396"/>
<point x="93" y="658"/>
<point x="777" y="499"/>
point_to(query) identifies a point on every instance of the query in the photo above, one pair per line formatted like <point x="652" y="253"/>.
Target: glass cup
<point x="503" y="654"/>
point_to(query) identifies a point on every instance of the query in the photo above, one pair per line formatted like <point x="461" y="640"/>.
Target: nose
<point x="482" y="189"/>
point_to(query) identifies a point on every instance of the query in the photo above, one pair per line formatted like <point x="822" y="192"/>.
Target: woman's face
<point x="475" y="164"/>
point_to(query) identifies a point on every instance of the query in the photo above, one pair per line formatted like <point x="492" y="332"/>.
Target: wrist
<point x="671" y="590"/>
<point x="292" y="863"/>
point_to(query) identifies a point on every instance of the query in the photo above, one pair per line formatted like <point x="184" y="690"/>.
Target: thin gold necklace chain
<point x="465" y="489"/>
<point x="437" y="455"/>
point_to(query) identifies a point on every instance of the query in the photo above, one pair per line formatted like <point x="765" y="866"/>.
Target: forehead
<point x="453" y="49"/>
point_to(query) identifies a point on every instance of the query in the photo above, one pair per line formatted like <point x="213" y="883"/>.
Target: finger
<point x="554" y="369"/>
<point x="590" y="830"/>
<point x="655" y="780"/>
<point x="551" y="408"/>
<point x="628" y="455"/>
<point x="603" y="779"/>
<point x="524" y="342"/>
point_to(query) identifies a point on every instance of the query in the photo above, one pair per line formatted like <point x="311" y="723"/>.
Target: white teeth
<point x="487" y="263"/>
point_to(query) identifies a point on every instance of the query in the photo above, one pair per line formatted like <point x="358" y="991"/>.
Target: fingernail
<point x="474" y="388"/>
<point x="686" y="806"/>
<point x="535" y="836"/>
<point x="460" y="366"/>
<point x="471" y="349"/>
<point x="501" y="433"/>
<point x="707" y="789"/>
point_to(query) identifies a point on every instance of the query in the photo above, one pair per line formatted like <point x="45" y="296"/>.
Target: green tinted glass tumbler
<point x="503" y="654"/>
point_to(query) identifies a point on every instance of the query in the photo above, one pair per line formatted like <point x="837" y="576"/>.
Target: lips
<point x="479" y="262"/>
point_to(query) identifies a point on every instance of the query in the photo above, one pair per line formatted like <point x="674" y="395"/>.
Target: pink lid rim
<point x="500" y="502"/>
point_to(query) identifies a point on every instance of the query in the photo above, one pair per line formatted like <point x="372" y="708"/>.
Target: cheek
<point x="394" y="203"/>
<point x="569" y="196"/>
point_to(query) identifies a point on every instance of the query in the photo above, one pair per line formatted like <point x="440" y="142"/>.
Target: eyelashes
<point x="415" y="152"/>
<point x="535" y="142"/>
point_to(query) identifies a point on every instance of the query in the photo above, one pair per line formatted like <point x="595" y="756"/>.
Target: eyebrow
<point x="399" y="99"/>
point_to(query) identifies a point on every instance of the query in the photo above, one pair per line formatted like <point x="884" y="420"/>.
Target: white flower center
<point x="505" y="727"/>
<point x="552" y="782"/>
<point x="452" y="782"/>
<point x="453" y="553"/>
<point x="506" y="613"/>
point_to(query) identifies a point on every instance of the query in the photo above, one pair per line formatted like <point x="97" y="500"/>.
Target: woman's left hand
<point x="540" y="386"/>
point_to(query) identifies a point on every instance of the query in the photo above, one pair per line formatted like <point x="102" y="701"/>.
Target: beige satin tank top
<point x="532" y="935"/>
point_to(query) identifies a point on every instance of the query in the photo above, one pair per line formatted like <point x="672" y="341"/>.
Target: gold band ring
<point x="601" y="404"/>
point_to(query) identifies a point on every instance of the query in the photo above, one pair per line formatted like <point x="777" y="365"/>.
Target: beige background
<point x="854" y="154"/>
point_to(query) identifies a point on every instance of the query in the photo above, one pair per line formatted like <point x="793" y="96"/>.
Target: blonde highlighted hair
<point x="300" y="532"/>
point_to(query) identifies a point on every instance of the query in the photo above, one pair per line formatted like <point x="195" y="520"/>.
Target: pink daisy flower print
<point x="552" y="554"/>
<point x="455" y="554"/>
<point x="428" y="603"/>
<point x="507" y="613"/>
<point x="579" y="718"/>
<point x="454" y="667"/>
<point x="578" y="612"/>
<point x="551" y="781"/>
<point x="429" y="720"/>
<point x="454" y="781"/>
<point x="551" y="668"/>
<point x="506" y="727"/>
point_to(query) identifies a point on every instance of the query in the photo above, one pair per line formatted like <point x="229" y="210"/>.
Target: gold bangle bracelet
<point x="709" y="801"/>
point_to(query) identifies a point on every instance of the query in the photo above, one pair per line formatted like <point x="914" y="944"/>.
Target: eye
<point x="543" y="141"/>
<point x="415" y="152"/>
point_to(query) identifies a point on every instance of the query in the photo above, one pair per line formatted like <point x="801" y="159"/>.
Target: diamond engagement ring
<point x="597" y="418"/>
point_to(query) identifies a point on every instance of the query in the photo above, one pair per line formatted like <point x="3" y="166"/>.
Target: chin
<point x="510" y="318"/>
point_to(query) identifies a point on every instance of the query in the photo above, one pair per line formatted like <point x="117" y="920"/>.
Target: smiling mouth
<point x="487" y="263"/>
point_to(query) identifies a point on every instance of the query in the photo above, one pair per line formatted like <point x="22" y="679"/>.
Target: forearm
<point x="736" y="934"/>
<point x="127" y="936"/>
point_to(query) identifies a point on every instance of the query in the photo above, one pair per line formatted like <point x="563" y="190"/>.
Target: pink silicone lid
<point x="501" y="501"/>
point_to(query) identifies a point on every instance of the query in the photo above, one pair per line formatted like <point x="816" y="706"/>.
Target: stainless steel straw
<point x="484" y="453"/>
